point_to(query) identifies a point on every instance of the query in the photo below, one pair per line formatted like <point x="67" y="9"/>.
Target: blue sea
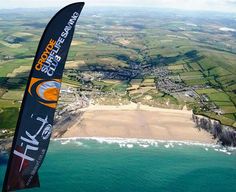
<point x="102" y="165"/>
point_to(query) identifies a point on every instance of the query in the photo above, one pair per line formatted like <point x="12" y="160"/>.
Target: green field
<point x="120" y="55"/>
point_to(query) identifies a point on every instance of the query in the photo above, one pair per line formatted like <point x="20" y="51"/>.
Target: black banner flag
<point x="34" y="126"/>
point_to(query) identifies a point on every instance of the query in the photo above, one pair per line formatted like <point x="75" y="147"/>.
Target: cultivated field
<point x="157" y="59"/>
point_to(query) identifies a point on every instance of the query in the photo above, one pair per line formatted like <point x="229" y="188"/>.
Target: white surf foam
<point x="130" y="145"/>
<point x="65" y="142"/>
<point x="145" y="143"/>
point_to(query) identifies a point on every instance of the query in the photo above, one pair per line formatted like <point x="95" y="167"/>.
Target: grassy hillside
<point x="167" y="59"/>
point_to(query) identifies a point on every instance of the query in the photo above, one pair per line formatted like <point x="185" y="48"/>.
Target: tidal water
<point x="134" y="166"/>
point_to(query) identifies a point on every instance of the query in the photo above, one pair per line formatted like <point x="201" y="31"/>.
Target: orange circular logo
<point x="46" y="92"/>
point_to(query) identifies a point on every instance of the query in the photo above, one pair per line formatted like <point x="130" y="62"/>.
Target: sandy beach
<point x="137" y="121"/>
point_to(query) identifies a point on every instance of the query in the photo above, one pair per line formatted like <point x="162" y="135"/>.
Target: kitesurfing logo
<point x="45" y="92"/>
<point x="34" y="125"/>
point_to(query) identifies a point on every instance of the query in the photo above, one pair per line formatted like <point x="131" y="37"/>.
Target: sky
<point x="209" y="5"/>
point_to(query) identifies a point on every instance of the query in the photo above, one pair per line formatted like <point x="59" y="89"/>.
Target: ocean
<point x="114" y="165"/>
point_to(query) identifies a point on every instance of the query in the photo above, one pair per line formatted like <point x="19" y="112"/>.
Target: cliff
<point x="225" y="134"/>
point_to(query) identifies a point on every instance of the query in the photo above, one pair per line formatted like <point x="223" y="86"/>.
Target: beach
<point x="136" y="121"/>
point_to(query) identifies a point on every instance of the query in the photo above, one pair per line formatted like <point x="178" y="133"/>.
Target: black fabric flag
<point x="34" y="126"/>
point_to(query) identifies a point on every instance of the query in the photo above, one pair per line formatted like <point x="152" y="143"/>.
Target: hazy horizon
<point x="228" y="6"/>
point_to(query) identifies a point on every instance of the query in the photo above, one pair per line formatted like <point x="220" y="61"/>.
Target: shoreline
<point x="136" y="121"/>
<point x="145" y="143"/>
<point x="111" y="140"/>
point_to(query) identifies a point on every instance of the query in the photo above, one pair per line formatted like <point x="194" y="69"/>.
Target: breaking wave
<point x="144" y="143"/>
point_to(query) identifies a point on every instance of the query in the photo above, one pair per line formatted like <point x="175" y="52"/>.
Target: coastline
<point x="141" y="142"/>
<point x="136" y="121"/>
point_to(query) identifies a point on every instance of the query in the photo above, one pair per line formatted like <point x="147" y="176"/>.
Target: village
<point x="163" y="81"/>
